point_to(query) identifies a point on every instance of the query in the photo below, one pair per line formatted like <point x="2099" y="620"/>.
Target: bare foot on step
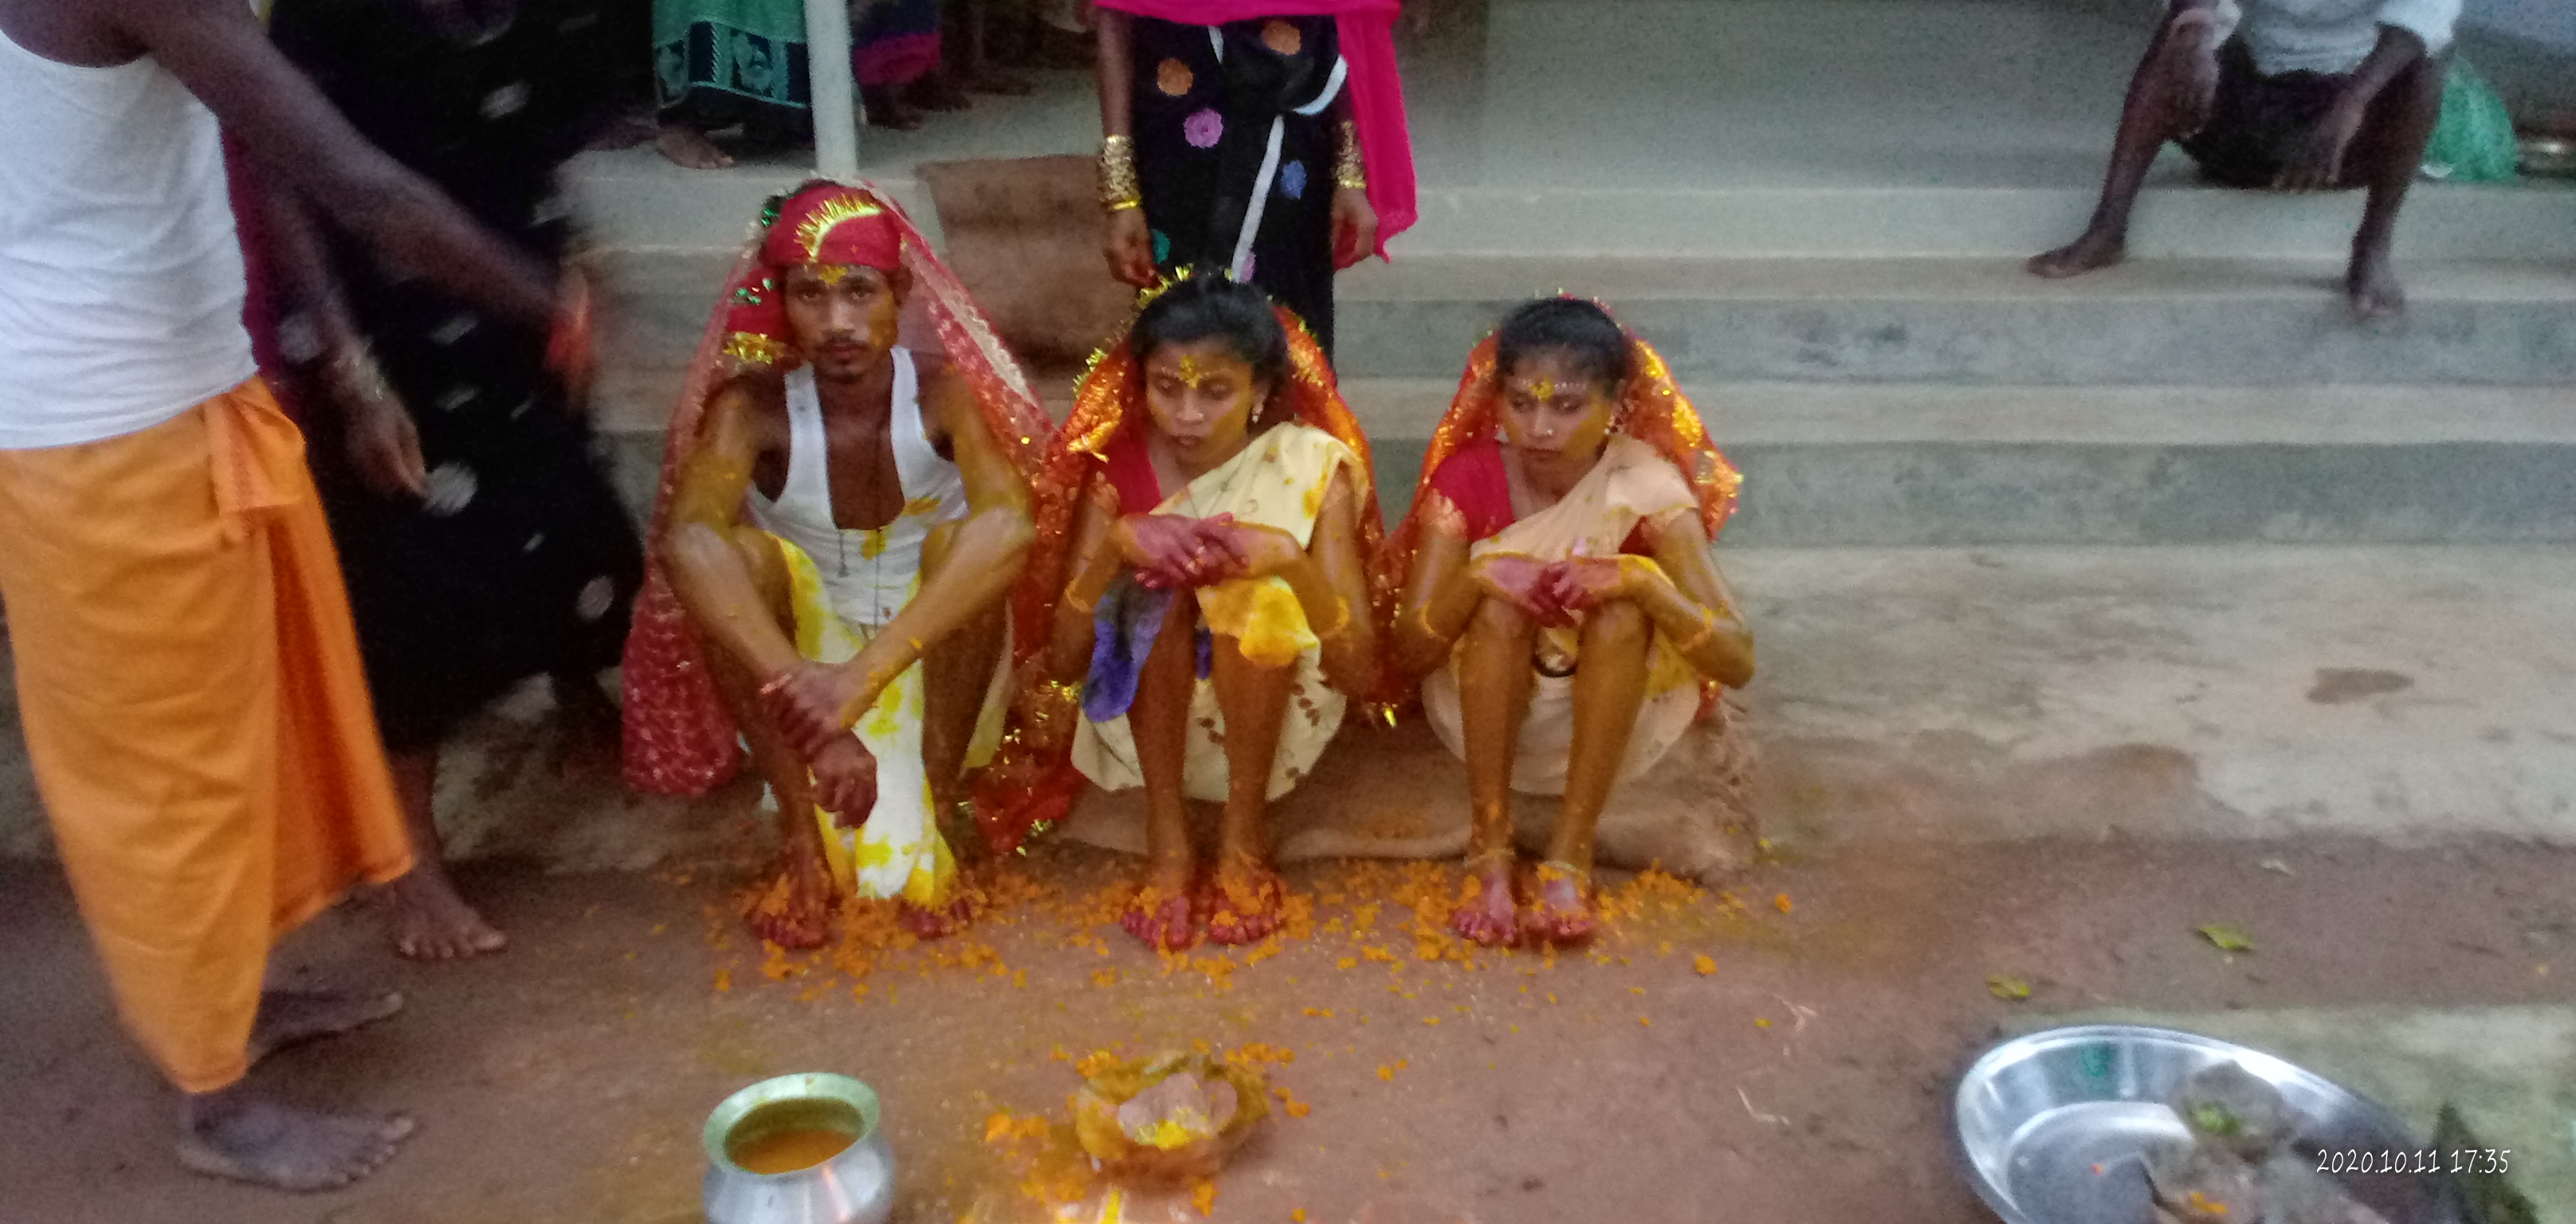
<point x="2371" y="285"/>
<point x="292" y="1017"/>
<point x="2094" y="250"/>
<point x="244" y="1137"/>
<point x="430" y="922"/>
<point x="688" y="147"/>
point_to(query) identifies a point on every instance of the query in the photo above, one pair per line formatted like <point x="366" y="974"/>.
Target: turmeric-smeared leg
<point x="1609" y="690"/>
<point x="956" y="672"/>
<point x="803" y="918"/>
<point x="1493" y="698"/>
<point x="1248" y="898"/>
<point x="1160" y="722"/>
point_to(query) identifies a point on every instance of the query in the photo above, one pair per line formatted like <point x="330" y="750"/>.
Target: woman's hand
<point x="572" y="353"/>
<point x="1171" y="550"/>
<point x="1580" y="584"/>
<point x="382" y="441"/>
<point x="1129" y="244"/>
<point x="1522" y="581"/>
<point x="1263" y="551"/>
<point x="1354" y="227"/>
<point x="384" y="446"/>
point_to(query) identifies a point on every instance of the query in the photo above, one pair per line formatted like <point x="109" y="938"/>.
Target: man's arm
<point x="707" y="572"/>
<point x="216" y="48"/>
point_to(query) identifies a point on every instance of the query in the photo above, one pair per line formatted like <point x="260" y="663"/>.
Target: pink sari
<point x="1367" y="30"/>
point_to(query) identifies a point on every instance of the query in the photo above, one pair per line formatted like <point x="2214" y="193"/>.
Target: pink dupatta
<point x="1367" y="29"/>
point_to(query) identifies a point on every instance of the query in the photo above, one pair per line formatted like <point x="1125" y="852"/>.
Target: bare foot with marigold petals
<point x="1164" y="921"/>
<point x="1562" y="913"/>
<point x="1247" y="903"/>
<point x="1485" y="914"/>
<point x="936" y="922"/>
<point x="795" y="911"/>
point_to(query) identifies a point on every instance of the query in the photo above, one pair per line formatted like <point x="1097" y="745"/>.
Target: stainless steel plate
<point x="2051" y="1126"/>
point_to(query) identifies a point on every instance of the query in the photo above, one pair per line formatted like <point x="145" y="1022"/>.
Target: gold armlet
<point x="1350" y="171"/>
<point x="1707" y="626"/>
<point x="1341" y="624"/>
<point x="1119" y="188"/>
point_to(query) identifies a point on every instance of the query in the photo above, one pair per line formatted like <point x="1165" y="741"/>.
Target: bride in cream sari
<point x="1559" y="599"/>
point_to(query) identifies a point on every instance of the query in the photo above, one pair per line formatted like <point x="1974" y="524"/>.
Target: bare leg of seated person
<point x="2168" y="100"/>
<point x="956" y="673"/>
<point x="1494" y="682"/>
<point x="1609" y="690"/>
<point x="797" y="911"/>
<point x="429" y="919"/>
<point x="1247" y="901"/>
<point x="1161" y="914"/>
<point x="2385" y="157"/>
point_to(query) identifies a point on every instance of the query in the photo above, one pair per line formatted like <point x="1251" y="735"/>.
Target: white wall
<point x="2549" y="22"/>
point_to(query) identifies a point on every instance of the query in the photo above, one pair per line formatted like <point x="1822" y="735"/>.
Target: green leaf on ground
<point x="2012" y="989"/>
<point x="2228" y="936"/>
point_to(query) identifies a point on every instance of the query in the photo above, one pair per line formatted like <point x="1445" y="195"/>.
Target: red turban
<point x="821" y="224"/>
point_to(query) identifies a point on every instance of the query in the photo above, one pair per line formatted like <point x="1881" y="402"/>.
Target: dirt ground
<point x="1798" y="1073"/>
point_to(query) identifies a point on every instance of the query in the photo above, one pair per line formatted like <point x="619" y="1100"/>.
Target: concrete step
<point x="1987" y="321"/>
<point x="632" y="200"/>
<point x="1938" y="464"/>
<point x="2269" y="323"/>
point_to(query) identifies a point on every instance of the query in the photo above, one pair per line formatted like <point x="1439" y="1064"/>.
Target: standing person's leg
<point x="798" y="913"/>
<point x="1609" y="689"/>
<point x="1494" y="682"/>
<point x="429" y="918"/>
<point x="2385" y="157"/>
<point x="973" y="54"/>
<point x="173" y="680"/>
<point x="2169" y="98"/>
<point x="1247" y="897"/>
<point x="1159" y="720"/>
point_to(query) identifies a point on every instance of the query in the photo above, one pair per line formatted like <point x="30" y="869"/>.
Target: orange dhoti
<point x="195" y="710"/>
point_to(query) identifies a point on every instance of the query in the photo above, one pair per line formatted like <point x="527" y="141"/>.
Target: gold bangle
<point x="1350" y="170"/>
<point x="1119" y="188"/>
<point x="1342" y="606"/>
<point x="1707" y="626"/>
<point x="1079" y="604"/>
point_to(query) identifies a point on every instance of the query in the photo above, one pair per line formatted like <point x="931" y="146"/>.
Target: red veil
<point x="679" y="738"/>
<point x="1654" y="411"/>
<point x="1028" y="788"/>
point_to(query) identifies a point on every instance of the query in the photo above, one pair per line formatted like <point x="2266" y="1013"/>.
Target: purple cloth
<point x="1123" y="629"/>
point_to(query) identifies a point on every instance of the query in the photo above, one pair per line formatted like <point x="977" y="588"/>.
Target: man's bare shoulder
<point x="81" y="32"/>
<point x="755" y="399"/>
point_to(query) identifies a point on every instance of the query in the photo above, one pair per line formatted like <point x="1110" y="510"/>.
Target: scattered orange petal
<point x="1704" y="965"/>
<point x="1781" y="903"/>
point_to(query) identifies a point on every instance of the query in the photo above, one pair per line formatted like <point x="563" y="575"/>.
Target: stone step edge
<point x="1824" y="414"/>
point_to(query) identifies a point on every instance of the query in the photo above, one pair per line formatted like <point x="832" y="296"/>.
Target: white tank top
<point x="868" y="574"/>
<point x="120" y="274"/>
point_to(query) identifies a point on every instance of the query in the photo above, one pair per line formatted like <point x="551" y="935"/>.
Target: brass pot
<point x="853" y="1186"/>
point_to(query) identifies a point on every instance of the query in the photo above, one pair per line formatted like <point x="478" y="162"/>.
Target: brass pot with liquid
<point x="799" y="1149"/>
